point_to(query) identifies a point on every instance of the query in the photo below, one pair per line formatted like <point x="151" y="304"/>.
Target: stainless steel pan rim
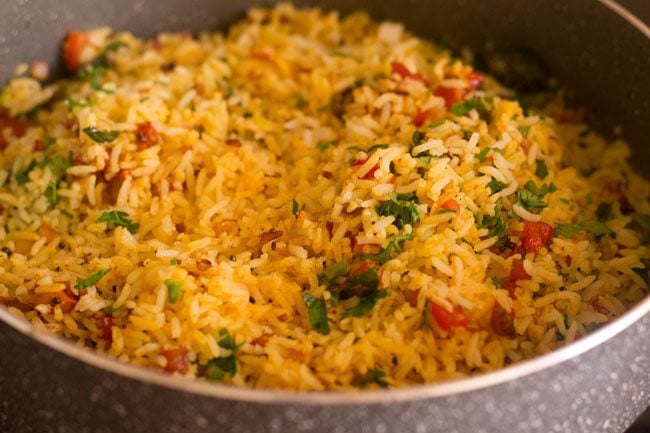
<point x="419" y="392"/>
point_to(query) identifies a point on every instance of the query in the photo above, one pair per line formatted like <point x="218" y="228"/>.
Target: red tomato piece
<point x="451" y="205"/>
<point x="517" y="273"/>
<point x="451" y="95"/>
<point x="146" y="135"/>
<point x="73" y="46"/>
<point x="177" y="360"/>
<point x="105" y="327"/>
<point x="449" y="319"/>
<point x="404" y="72"/>
<point x="502" y="322"/>
<point x="475" y="80"/>
<point x="536" y="235"/>
<point x="371" y="172"/>
<point x="421" y="117"/>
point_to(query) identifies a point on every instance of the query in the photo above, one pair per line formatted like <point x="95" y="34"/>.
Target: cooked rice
<point x="259" y="181"/>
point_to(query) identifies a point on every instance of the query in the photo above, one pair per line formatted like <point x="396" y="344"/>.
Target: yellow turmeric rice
<point x="308" y="202"/>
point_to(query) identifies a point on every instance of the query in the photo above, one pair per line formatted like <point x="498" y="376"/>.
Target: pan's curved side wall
<point x="602" y="390"/>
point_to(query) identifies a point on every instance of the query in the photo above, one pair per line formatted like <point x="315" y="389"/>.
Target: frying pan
<point x="600" y="383"/>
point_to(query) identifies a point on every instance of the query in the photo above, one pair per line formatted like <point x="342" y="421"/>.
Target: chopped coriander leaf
<point x="604" y="212"/>
<point x="333" y="272"/>
<point x="426" y="159"/>
<point x="317" y="312"/>
<point x="72" y="103"/>
<point x="22" y="177"/>
<point x="91" y="280"/>
<point x="497" y="281"/>
<point x="644" y="272"/>
<point x="402" y="207"/>
<point x="393" y="245"/>
<point x="324" y="145"/>
<point x="532" y="198"/>
<point x="120" y="219"/>
<point x="376" y="147"/>
<point x="436" y="123"/>
<point x="524" y="130"/>
<point x="369" y="280"/>
<point x="482" y="154"/>
<point x="365" y="304"/>
<point x="300" y="101"/>
<point x="227" y="341"/>
<point x="173" y="290"/>
<point x="100" y="136"/>
<point x="217" y="368"/>
<point x="597" y="228"/>
<point x="57" y="165"/>
<point x="52" y="193"/>
<point x="92" y="73"/>
<point x="67" y="213"/>
<point x="174" y="262"/>
<point x="483" y="106"/>
<point x="495" y="224"/>
<point x="417" y="138"/>
<point x="294" y="207"/>
<point x="48" y="141"/>
<point x="248" y="115"/>
<point x="372" y="376"/>
<point x="541" y="170"/>
<point x="495" y="186"/>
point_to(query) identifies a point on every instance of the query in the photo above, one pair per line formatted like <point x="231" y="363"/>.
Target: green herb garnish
<point x="372" y="376"/>
<point x="495" y="186"/>
<point x="100" y="136"/>
<point x="483" y="106"/>
<point x="365" y="304"/>
<point x="324" y="145"/>
<point x="120" y="219"/>
<point x="541" y="170"/>
<point x="173" y="290"/>
<point x="91" y="280"/>
<point x="369" y="280"/>
<point x="604" y="212"/>
<point x="22" y="177"/>
<point x="393" y="245"/>
<point x="495" y="224"/>
<point x="597" y="228"/>
<point x="641" y="222"/>
<point x="217" y="368"/>
<point x="532" y="198"/>
<point x="402" y="207"/>
<point x="52" y="193"/>
<point x="524" y="130"/>
<point x="294" y="207"/>
<point x="67" y="213"/>
<point x="333" y="272"/>
<point x="376" y="147"/>
<point x="317" y="311"/>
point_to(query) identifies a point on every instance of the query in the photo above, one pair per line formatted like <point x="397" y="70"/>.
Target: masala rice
<point x="242" y="163"/>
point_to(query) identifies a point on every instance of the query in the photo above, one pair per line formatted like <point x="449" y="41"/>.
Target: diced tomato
<point x="371" y="173"/>
<point x="449" y="319"/>
<point x="64" y="299"/>
<point x="146" y="135"/>
<point x="177" y="360"/>
<point x="18" y="127"/>
<point x="536" y="235"/>
<point x="105" y="327"/>
<point x="451" y="95"/>
<point x="203" y="265"/>
<point x="226" y="226"/>
<point x="47" y="232"/>
<point x="475" y="80"/>
<point x="234" y="142"/>
<point x="404" y="72"/>
<point x="421" y="117"/>
<point x="451" y="205"/>
<point x="502" y="322"/>
<point x="517" y="273"/>
<point x="73" y="46"/>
